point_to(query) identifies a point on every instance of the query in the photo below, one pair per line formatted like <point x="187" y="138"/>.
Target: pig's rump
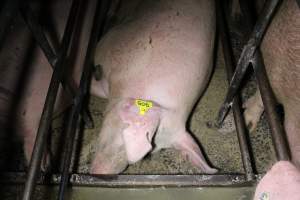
<point x="158" y="57"/>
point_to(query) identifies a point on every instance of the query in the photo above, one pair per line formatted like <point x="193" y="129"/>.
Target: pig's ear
<point x="189" y="148"/>
<point x="141" y="128"/>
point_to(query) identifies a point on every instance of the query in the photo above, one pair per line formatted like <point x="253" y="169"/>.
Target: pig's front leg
<point x="191" y="151"/>
<point x="172" y="134"/>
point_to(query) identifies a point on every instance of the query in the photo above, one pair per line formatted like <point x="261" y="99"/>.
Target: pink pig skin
<point x="282" y="182"/>
<point x="162" y="53"/>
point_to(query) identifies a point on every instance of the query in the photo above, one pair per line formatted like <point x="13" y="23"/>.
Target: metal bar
<point x="7" y="12"/>
<point x="237" y="112"/>
<point x="133" y="181"/>
<point x="45" y="121"/>
<point x="98" y="23"/>
<point x="50" y="54"/>
<point x="268" y="98"/>
<point x="247" y="56"/>
<point x="277" y="130"/>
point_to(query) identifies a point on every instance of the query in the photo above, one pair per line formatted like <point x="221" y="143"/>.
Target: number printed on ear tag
<point x="143" y="106"/>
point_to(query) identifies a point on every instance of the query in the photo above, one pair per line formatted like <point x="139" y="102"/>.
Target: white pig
<point x="155" y="67"/>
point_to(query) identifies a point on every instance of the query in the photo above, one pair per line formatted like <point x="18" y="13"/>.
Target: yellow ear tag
<point x="144" y="106"/>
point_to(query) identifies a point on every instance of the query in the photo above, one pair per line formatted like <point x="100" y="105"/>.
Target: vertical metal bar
<point x="268" y="98"/>
<point x="98" y="23"/>
<point x="237" y="113"/>
<point x="247" y="55"/>
<point x="7" y="12"/>
<point x="45" y="121"/>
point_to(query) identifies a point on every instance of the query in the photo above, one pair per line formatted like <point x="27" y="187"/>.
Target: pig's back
<point x="281" y="51"/>
<point x="162" y="53"/>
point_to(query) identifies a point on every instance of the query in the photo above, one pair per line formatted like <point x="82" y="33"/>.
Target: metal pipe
<point x="8" y="11"/>
<point x="45" y="121"/>
<point x="237" y="112"/>
<point x="98" y="24"/>
<point x="134" y="181"/>
<point x="50" y="54"/>
<point x="267" y="95"/>
<point x="247" y="56"/>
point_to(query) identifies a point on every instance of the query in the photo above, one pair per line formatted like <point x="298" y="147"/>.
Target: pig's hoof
<point x="252" y="114"/>
<point x="228" y="125"/>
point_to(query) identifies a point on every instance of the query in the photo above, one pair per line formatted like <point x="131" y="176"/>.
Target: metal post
<point x="268" y="98"/>
<point x="98" y="23"/>
<point x="45" y="121"/>
<point x="237" y="113"/>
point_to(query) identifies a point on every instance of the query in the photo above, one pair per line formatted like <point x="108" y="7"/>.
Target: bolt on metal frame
<point x="57" y="59"/>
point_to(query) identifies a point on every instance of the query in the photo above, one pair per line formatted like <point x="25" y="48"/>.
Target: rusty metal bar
<point x="236" y="107"/>
<point x="98" y="22"/>
<point x="268" y="98"/>
<point x="35" y="162"/>
<point x="133" y="181"/>
<point x="247" y="55"/>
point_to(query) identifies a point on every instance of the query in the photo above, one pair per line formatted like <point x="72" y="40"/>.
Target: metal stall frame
<point x="35" y="177"/>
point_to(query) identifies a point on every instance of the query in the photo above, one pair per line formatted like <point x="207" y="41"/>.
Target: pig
<point x="281" y="52"/>
<point x="27" y="72"/>
<point x="155" y="65"/>
<point x="281" y="182"/>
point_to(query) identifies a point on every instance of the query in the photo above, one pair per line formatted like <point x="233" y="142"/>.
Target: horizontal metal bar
<point x="134" y="180"/>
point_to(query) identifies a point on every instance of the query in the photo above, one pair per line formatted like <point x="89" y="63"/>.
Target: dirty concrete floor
<point x="222" y="149"/>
